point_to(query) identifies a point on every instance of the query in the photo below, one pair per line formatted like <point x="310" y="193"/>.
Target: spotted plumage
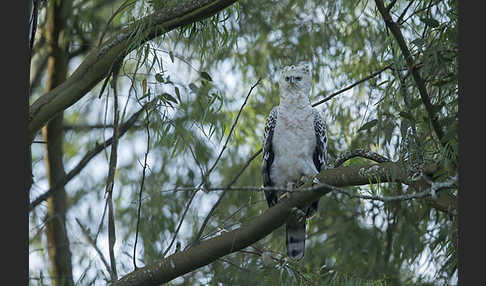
<point x="294" y="146"/>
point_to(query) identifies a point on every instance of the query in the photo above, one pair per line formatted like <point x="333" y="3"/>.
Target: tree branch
<point x="210" y="250"/>
<point x="359" y="153"/>
<point x="180" y="224"/>
<point x="97" y="63"/>
<point x="144" y="167"/>
<point x="412" y="68"/>
<point x="372" y="75"/>
<point x="208" y="216"/>
<point x="110" y="180"/>
<point x="93" y="243"/>
<point x="87" y="158"/>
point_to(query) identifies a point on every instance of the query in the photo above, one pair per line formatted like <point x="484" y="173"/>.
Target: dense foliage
<point x="197" y="78"/>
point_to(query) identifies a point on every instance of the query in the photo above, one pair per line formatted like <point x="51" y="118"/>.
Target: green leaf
<point x="171" y="55"/>
<point x="418" y="42"/>
<point x="146" y="52"/>
<point x="178" y="94"/>
<point x="145" y="95"/>
<point x="159" y="77"/>
<point x="168" y="81"/>
<point x="193" y="87"/>
<point x="368" y="125"/>
<point x="431" y="22"/>
<point x="407" y="115"/>
<point x="168" y="97"/>
<point x="206" y="76"/>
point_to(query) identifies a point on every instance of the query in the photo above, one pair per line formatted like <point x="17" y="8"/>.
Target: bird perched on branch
<point x="294" y="149"/>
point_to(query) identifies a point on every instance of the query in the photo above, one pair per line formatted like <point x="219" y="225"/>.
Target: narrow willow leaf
<point x="418" y="42"/>
<point x="167" y="96"/>
<point x="171" y="55"/>
<point x="407" y="115"/>
<point x="193" y="87"/>
<point x="159" y="77"/>
<point x="206" y="76"/>
<point x="368" y="125"/>
<point x="431" y="22"/>
<point x="178" y="94"/>
<point x="145" y="95"/>
<point x="146" y="53"/>
<point x="144" y="86"/>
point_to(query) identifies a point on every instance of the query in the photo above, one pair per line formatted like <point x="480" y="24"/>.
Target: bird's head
<point x="296" y="78"/>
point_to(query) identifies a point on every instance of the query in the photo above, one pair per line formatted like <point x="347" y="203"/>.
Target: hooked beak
<point x="292" y="80"/>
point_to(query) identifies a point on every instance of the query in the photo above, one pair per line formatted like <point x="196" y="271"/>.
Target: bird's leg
<point x="302" y="180"/>
<point x="312" y="209"/>
<point x="299" y="214"/>
<point x="290" y="188"/>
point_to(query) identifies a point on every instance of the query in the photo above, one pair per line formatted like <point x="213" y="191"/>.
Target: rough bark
<point x="57" y="238"/>
<point x="98" y="62"/>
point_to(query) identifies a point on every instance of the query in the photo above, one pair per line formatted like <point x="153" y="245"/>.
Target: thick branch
<point x="57" y="236"/>
<point x="212" y="249"/>
<point x="97" y="63"/>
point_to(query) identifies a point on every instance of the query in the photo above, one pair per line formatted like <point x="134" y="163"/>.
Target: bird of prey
<point x="294" y="148"/>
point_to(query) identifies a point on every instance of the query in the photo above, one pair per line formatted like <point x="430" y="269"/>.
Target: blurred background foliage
<point x="199" y="76"/>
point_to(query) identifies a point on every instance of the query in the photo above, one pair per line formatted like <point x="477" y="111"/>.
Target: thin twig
<point x="141" y="190"/>
<point x="231" y="130"/>
<point x="224" y="221"/>
<point x="87" y="158"/>
<point x="390" y="6"/>
<point x="431" y="192"/>
<point x="244" y="167"/>
<point x="93" y="243"/>
<point x="359" y="153"/>
<point x="428" y="15"/>
<point x="33" y="22"/>
<point x="110" y="181"/>
<point x="180" y="223"/>
<point x="122" y="6"/>
<point x="372" y="75"/>
<point x="400" y="18"/>
<point x="111" y="235"/>
<point x="100" y="226"/>
<point x="87" y="127"/>
<point x="208" y="216"/>
<point x="434" y="188"/>
<point x="394" y="28"/>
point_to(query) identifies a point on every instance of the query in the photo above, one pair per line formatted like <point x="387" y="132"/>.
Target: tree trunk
<point x="57" y="238"/>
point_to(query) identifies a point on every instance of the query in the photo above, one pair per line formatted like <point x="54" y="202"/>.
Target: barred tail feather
<point x="295" y="239"/>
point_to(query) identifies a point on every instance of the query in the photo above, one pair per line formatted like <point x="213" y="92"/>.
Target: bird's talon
<point x="300" y="214"/>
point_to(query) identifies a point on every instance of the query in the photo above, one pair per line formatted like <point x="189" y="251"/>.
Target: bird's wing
<point x="319" y="156"/>
<point x="268" y="155"/>
<point x="320" y="153"/>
